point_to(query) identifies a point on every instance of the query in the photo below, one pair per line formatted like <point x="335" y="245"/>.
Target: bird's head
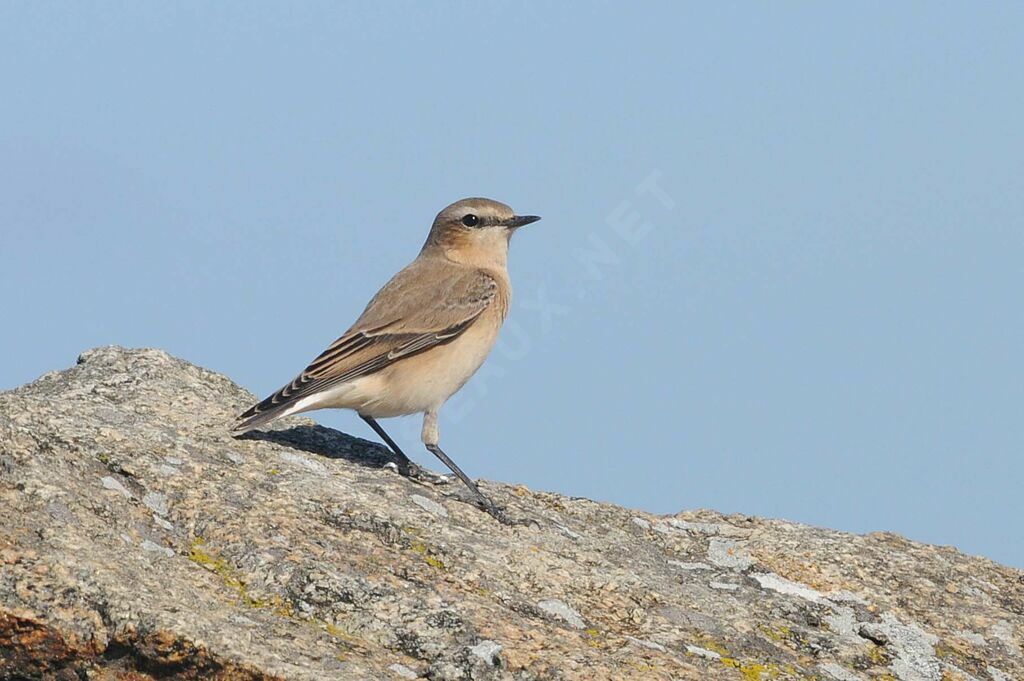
<point x="473" y="230"/>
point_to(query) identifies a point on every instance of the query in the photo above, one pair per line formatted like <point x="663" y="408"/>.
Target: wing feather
<point x="422" y="307"/>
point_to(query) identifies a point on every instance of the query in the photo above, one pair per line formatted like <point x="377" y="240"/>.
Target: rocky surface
<point x="138" y="540"/>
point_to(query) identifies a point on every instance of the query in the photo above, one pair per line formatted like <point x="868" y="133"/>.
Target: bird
<point x="419" y="339"/>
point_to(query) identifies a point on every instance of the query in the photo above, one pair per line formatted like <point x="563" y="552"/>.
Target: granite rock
<point x="140" y="541"/>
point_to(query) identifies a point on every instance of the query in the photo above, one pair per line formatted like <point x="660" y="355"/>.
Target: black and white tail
<point x="277" y="406"/>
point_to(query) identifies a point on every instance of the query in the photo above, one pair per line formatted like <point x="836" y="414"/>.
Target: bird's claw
<point x="420" y="474"/>
<point x="501" y="516"/>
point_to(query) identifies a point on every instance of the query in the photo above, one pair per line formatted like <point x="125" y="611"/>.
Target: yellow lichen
<point x="275" y="603"/>
<point x="592" y="637"/>
<point x="780" y="634"/>
<point x="752" y="671"/>
<point x="877" y="654"/>
<point x="213" y="563"/>
<point x="337" y="632"/>
<point x="422" y="549"/>
<point x="712" y="645"/>
<point x="229" y="576"/>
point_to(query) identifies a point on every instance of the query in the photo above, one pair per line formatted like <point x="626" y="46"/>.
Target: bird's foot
<point x="501" y="515"/>
<point x="418" y="473"/>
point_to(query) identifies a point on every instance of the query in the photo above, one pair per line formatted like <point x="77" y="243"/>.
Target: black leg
<point x="481" y="499"/>
<point x="439" y="453"/>
<point x="405" y="465"/>
<point x="409" y="469"/>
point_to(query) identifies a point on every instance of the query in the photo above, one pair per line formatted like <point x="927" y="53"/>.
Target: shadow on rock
<point x="326" y="442"/>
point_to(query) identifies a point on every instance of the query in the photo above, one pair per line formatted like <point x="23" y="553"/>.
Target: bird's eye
<point x="470" y="220"/>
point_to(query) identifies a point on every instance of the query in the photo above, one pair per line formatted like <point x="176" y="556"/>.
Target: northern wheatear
<point x="420" y="338"/>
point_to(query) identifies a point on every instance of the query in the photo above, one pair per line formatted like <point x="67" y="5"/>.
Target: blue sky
<point x="779" y="271"/>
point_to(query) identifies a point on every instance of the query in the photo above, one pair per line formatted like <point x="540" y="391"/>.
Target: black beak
<point x="519" y="220"/>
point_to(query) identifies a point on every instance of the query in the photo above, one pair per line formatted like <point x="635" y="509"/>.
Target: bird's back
<point x="430" y="303"/>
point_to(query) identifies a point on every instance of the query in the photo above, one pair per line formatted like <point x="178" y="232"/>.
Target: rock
<point x="703" y="652"/>
<point x="403" y="672"/>
<point x="153" y="547"/>
<point x="114" y="485"/>
<point x="562" y="611"/>
<point x="724" y="586"/>
<point x="139" y="541"/>
<point x="156" y="503"/>
<point x="785" y="586"/>
<point x="488" y="651"/>
<point x="728" y="553"/>
<point x="429" y="505"/>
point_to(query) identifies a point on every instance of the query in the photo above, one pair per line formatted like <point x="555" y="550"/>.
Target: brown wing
<point x="425" y="305"/>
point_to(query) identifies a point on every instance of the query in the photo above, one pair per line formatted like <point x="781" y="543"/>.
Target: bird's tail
<point x="261" y="414"/>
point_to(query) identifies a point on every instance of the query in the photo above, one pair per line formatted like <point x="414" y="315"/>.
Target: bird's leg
<point x="481" y="499"/>
<point x="430" y="437"/>
<point x="406" y="466"/>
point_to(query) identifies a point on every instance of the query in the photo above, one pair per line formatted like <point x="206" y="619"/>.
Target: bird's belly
<point x="423" y="382"/>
